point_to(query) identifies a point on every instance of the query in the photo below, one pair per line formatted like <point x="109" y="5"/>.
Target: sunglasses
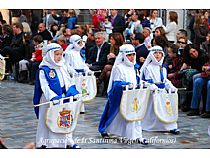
<point x="181" y="42"/>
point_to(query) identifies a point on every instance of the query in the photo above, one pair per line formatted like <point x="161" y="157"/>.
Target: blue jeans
<point x="198" y="85"/>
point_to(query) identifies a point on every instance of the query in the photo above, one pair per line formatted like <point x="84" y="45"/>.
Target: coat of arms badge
<point x="52" y="74"/>
<point x="65" y="119"/>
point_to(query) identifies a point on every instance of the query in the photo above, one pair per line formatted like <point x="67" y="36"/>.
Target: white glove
<point x="56" y="102"/>
<point x="173" y="89"/>
<point x="130" y="85"/>
<point x="1" y="57"/>
<point x="146" y="84"/>
<point x="153" y="87"/>
<point x="90" y="73"/>
<point x="77" y="96"/>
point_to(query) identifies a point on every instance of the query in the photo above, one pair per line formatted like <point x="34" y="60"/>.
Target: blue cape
<point x="112" y="105"/>
<point x="54" y="85"/>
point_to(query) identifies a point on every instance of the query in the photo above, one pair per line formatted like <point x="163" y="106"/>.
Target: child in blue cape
<point x="112" y="121"/>
<point x="154" y="72"/>
<point x="52" y="83"/>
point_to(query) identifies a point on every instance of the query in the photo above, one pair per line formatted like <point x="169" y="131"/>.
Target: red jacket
<point x="95" y="21"/>
<point x="38" y="55"/>
<point x="64" y="46"/>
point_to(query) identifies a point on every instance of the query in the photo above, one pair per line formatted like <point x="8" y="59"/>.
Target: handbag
<point x="206" y="74"/>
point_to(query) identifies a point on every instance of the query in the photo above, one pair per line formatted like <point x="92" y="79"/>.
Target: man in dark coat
<point x="98" y="53"/>
<point x="16" y="51"/>
<point x="118" y="22"/>
<point x="140" y="48"/>
<point x="44" y="32"/>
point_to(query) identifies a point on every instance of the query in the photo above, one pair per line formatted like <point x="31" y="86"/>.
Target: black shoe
<point x="105" y="136"/>
<point x="142" y="141"/>
<point x="75" y="146"/>
<point x="42" y="147"/>
<point x="185" y="109"/>
<point x="82" y="112"/>
<point x="206" y="115"/>
<point x="31" y="83"/>
<point x="174" y="131"/>
<point x="193" y="112"/>
<point x="2" y="146"/>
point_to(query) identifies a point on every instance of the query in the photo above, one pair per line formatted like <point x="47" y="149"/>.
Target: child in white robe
<point x="74" y="58"/>
<point x="112" y="121"/>
<point x="153" y="72"/>
<point x="52" y="83"/>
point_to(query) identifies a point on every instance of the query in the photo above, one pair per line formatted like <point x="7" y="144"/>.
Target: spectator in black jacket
<point x="118" y="22"/>
<point x="44" y="32"/>
<point x="98" y="53"/>
<point x="7" y="36"/>
<point x="140" y="48"/>
<point x="15" y="51"/>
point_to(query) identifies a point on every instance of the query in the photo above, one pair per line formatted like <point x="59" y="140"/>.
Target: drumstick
<point x="182" y="89"/>
<point x="97" y="71"/>
<point x="2" y="58"/>
<point x="5" y="74"/>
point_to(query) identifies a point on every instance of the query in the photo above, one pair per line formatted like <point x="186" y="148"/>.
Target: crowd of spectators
<point x="187" y="55"/>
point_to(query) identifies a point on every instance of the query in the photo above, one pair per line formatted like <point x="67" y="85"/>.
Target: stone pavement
<point x="18" y="124"/>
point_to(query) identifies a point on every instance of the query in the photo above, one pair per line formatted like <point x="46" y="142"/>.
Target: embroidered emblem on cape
<point x="65" y="119"/>
<point x="84" y="88"/>
<point x="161" y="68"/>
<point x="168" y="107"/>
<point x="135" y="105"/>
<point x="52" y="74"/>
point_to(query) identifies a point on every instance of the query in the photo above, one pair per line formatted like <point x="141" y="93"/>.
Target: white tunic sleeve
<point x="48" y="93"/>
<point x="118" y="75"/>
<point x="68" y="61"/>
<point x="147" y="74"/>
<point x="168" y="84"/>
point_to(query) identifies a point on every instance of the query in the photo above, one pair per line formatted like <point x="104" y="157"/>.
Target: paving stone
<point x="18" y="124"/>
